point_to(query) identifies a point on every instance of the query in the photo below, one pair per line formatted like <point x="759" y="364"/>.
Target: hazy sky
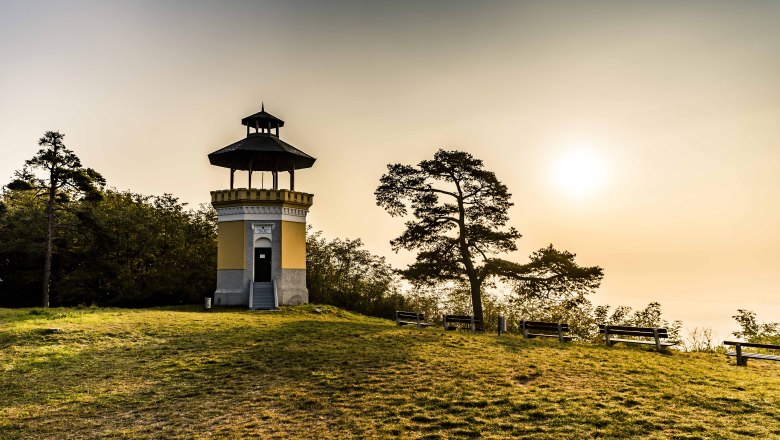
<point x="642" y="136"/>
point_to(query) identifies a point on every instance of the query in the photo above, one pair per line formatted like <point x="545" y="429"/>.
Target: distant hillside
<point x="181" y="373"/>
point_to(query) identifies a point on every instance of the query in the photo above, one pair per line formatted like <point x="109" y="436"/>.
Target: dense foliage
<point x="342" y="273"/>
<point x="122" y="250"/>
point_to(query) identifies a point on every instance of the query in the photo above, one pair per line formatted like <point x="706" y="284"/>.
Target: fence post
<point x="501" y="324"/>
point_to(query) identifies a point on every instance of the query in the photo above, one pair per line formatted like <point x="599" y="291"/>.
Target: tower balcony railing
<point x="260" y="195"/>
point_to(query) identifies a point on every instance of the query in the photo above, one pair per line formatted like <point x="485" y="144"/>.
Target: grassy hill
<point x="181" y="373"/>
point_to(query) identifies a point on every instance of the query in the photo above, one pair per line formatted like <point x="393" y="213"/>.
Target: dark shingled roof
<point x="261" y="152"/>
<point x="263" y="119"/>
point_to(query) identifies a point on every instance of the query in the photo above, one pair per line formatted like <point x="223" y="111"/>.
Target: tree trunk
<point x="476" y="298"/>
<point x="53" y="178"/>
<point x="471" y="272"/>
<point x="49" y="243"/>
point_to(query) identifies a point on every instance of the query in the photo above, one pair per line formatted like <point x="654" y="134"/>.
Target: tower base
<point x="261" y="247"/>
<point x="233" y="288"/>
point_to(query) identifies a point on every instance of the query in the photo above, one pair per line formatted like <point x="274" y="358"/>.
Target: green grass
<point x="181" y="373"/>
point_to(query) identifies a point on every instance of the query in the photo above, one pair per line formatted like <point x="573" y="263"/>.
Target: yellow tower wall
<point x="293" y="245"/>
<point x="231" y="240"/>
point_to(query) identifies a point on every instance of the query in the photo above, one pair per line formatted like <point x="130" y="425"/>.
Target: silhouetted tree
<point x="460" y="215"/>
<point x="55" y="173"/>
<point x="550" y="274"/>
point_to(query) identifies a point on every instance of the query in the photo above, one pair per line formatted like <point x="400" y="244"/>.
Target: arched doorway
<point x="262" y="260"/>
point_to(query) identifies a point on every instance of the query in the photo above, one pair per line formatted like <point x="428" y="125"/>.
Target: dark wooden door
<point x="262" y="265"/>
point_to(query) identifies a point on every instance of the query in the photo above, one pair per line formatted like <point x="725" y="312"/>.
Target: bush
<point x="753" y="331"/>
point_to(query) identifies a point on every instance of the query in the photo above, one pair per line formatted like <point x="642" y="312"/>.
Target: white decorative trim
<point x="261" y="213"/>
<point x="262" y="230"/>
<point x="260" y="217"/>
<point x="250" y="210"/>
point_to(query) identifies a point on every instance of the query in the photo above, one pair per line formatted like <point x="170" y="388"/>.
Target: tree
<point x="139" y="251"/>
<point x="754" y="331"/>
<point x="22" y="238"/>
<point x="551" y="274"/>
<point x="344" y="274"/>
<point x="55" y="173"/>
<point x="460" y="215"/>
<point x="125" y="250"/>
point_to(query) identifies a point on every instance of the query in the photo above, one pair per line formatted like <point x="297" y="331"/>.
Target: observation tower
<point x="261" y="255"/>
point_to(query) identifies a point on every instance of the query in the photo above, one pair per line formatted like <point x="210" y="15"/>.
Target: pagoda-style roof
<point x="261" y="152"/>
<point x="262" y="119"/>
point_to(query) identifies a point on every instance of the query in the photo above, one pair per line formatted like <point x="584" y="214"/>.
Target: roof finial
<point x="262" y="106"/>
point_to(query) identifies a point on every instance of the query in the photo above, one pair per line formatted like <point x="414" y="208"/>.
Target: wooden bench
<point x="553" y="329"/>
<point x="451" y="322"/>
<point x="742" y="358"/>
<point x="411" y="318"/>
<point x="642" y="332"/>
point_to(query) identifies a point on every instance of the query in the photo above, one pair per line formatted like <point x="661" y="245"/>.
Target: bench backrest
<point x="409" y="315"/>
<point x="646" y="332"/>
<point x="752" y="344"/>
<point x="548" y="326"/>
<point x="460" y="319"/>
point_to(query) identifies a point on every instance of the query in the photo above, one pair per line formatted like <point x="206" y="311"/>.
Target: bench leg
<point x="657" y="340"/>
<point x="741" y="361"/>
<point x="606" y="336"/>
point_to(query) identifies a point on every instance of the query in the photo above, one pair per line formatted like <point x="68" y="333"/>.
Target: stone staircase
<point x="262" y="296"/>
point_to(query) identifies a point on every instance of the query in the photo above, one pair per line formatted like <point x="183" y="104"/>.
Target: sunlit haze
<point x="643" y="136"/>
<point x="579" y="172"/>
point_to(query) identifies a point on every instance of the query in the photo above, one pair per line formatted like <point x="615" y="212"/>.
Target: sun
<point x="579" y="172"/>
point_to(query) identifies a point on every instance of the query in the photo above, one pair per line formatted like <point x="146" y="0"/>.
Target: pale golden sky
<point x="672" y="110"/>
